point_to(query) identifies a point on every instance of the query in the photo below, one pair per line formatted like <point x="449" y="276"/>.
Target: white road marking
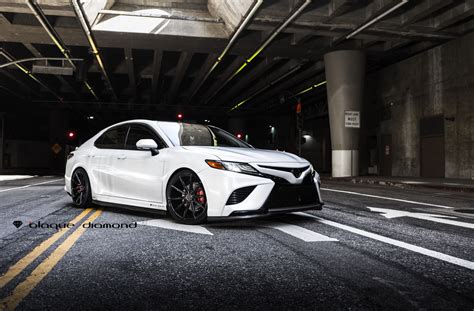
<point x="299" y="232"/>
<point x="30" y="185"/>
<point x="386" y="198"/>
<point x="390" y="213"/>
<point x="421" y="250"/>
<point x="14" y="177"/>
<point x="168" y="224"/>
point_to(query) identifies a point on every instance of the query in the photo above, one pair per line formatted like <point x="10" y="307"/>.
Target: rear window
<point x="113" y="138"/>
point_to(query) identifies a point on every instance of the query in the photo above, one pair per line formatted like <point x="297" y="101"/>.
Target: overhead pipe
<point x="312" y="87"/>
<point x="375" y="20"/>
<point x="33" y="5"/>
<point x="267" y="41"/>
<point x="28" y="73"/>
<point x="238" y="30"/>
<point x="41" y="17"/>
<point x="32" y="59"/>
<point x="362" y="27"/>
<point x="269" y="85"/>
<point x="81" y="16"/>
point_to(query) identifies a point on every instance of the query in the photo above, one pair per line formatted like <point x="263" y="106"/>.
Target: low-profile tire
<point x="81" y="189"/>
<point x="186" y="198"/>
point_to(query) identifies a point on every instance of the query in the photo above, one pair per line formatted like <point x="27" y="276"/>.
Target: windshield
<point x="201" y="135"/>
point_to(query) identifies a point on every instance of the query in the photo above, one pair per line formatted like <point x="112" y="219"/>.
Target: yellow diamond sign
<point x="56" y="148"/>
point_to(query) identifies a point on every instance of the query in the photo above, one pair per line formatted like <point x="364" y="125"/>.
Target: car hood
<point x="248" y="155"/>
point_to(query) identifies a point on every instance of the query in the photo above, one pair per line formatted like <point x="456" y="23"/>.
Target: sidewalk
<point x="461" y="185"/>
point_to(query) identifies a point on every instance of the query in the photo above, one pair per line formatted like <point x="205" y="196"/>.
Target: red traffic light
<point x="180" y="116"/>
<point x="298" y="107"/>
<point x="71" y="135"/>
<point x="239" y="136"/>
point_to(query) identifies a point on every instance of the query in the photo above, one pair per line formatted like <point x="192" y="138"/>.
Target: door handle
<point x="122" y="157"/>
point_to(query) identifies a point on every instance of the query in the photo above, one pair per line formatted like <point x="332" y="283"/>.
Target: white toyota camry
<point x="193" y="171"/>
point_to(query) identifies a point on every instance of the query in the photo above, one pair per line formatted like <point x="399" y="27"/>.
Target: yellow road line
<point x="25" y="287"/>
<point x="18" y="267"/>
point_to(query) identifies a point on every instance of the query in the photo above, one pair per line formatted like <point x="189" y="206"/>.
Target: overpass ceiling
<point x="158" y="62"/>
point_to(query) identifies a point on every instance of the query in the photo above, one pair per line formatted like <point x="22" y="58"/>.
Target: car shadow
<point x="221" y="223"/>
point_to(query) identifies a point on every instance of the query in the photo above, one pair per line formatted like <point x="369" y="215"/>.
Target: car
<point x="194" y="172"/>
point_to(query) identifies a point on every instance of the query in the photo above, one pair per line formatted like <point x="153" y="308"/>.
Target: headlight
<point x="233" y="167"/>
<point x="315" y="174"/>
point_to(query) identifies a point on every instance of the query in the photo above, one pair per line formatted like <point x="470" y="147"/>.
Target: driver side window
<point x="137" y="133"/>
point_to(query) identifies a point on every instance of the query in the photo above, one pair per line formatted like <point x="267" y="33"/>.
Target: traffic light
<point x="180" y="116"/>
<point x="299" y="115"/>
<point x="71" y="135"/>
<point x="239" y="136"/>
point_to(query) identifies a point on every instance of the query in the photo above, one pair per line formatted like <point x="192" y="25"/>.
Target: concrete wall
<point x="27" y="154"/>
<point x="439" y="81"/>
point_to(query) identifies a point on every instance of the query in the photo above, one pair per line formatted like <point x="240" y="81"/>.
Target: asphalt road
<point x="395" y="249"/>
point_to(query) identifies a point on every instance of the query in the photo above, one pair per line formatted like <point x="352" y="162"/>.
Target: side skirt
<point x="131" y="208"/>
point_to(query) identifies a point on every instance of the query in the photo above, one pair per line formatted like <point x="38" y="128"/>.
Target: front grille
<point x="296" y="171"/>
<point x="288" y="196"/>
<point x="239" y="195"/>
<point x="308" y="180"/>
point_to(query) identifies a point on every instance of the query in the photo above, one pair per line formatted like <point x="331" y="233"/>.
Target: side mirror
<point x="148" y="144"/>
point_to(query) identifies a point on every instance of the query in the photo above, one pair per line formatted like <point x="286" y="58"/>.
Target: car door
<point x="103" y="159"/>
<point x="141" y="173"/>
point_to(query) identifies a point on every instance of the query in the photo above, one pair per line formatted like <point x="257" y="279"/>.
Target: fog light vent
<point x="239" y="195"/>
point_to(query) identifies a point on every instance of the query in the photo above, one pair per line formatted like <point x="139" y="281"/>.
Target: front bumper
<point x="67" y="184"/>
<point x="286" y="198"/>
<point x="269" y="195"/>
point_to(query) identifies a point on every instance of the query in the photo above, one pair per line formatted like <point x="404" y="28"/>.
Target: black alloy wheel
<point x="81" y="189"/>
<point x="186" y="198"/>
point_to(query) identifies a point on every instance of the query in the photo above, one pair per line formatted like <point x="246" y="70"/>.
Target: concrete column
<point x="345" y="75"/>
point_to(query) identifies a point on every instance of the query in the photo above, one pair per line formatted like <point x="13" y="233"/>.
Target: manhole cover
<point x="465" y="210"/>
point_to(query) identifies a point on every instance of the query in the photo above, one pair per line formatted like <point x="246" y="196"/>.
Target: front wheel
<point x="186" y="198"/>
<point x="81" y="189"/>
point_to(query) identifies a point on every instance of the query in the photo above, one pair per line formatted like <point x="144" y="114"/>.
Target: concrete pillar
<point x="345" y="75"/>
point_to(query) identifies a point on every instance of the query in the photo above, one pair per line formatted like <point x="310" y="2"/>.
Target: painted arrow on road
<point x="391" y="213"/>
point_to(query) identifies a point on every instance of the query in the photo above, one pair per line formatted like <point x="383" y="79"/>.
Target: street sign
<point x="352" y="119"/>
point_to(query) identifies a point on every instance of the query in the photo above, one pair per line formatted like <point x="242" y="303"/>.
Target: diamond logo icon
<point x="17" y="223"/>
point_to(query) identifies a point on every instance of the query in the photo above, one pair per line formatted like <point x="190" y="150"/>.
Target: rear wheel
<point x="186" y="198"/>
<point x="81" y="189"/>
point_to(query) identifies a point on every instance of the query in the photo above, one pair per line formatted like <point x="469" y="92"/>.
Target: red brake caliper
<point x="200" y="196"/>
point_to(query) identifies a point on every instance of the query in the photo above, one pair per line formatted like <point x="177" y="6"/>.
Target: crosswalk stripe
<point x="299" y="232"/>
<point x="168" y="224"/>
